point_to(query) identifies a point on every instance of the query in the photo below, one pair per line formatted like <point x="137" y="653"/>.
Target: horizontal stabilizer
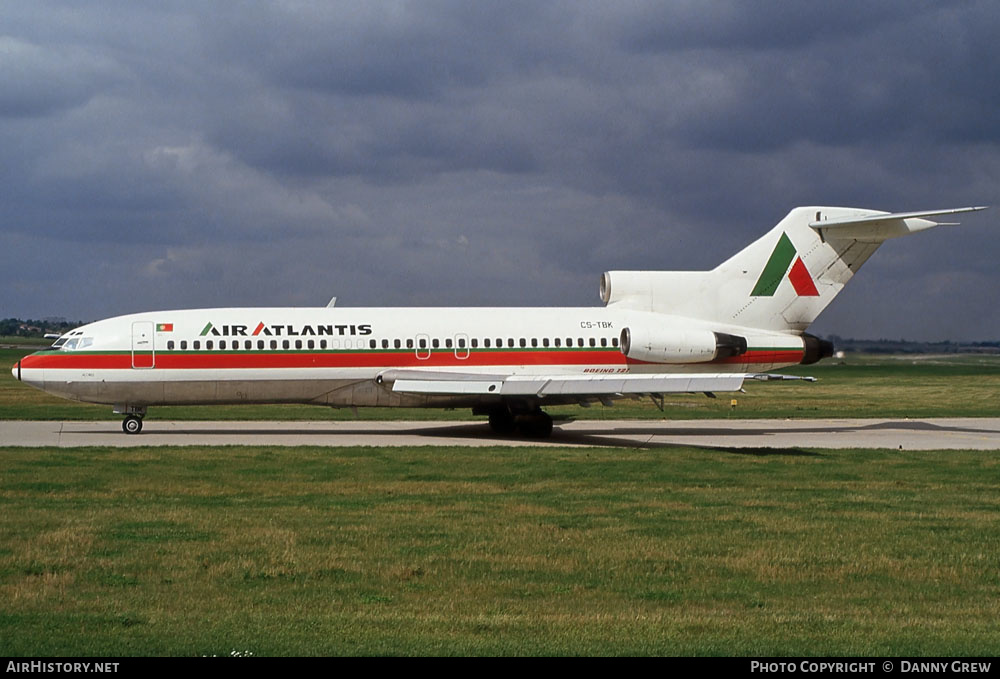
<point x="882" y="226"/>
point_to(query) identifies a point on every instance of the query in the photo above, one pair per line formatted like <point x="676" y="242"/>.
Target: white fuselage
<point x="334" y="356"/>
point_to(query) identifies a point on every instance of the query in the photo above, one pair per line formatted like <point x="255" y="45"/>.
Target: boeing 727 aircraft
<point x="658" y="332"/>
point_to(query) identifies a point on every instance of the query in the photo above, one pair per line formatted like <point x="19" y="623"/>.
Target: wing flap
<point x="594" y="385"/>
<point x="432" y="386"/>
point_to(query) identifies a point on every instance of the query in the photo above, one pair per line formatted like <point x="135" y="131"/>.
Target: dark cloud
<point x="250" y="153"/>
<point x="746" y="27"/>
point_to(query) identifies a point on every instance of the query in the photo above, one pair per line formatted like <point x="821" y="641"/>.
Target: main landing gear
<point x="534" y="424"/>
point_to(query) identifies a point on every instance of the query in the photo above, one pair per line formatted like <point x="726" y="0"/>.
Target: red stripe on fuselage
<point x="374" y="359"/>
<point x="76" y="361"/>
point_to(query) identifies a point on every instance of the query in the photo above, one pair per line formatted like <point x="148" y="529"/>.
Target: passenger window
<point x="184" y="345"/>
<point x="298" y="344"/>
<point x="196" y="345"/>
<point x="372" y="344"/>
<point x="397" y="344"/>
<point x="604" y="341"/>
<point x="545" y="341"/>
<point x="558" y="343"/>
<point x="170" y="345"/>
<point x="209" y="344"/>
<point x="260" y="344"/>
<point x="322" y="344"/>
<point x="614" y="341"/>
<point x="284" y="344"/>
<point x="475" y="343"/>
<point x="534" y="342"/>
<point x="436" y="344"/>
<point x="592" y="342"/>
<point x="311" y="344"/>
<point x="447" y="343"/>
<point x="248" y="345"/>
<point x="385" y="344"/>
<point x="486" y="343"/>
<point x="423" y="343"/>
<point x="523" y="342"/>
<point x="409" y="344"/>
<point x="579" y="341"/>
<point x="510" y="342"/>
<point x="274" y="344"/>
<point x="222" y="344"/>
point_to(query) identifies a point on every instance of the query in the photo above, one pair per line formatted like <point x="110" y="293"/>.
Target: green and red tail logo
<point x="777" y="267"/>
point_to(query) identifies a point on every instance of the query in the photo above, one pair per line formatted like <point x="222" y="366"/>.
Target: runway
<point x="904" y="434"/>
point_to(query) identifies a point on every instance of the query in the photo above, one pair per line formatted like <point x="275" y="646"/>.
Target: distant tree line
<point x="903" y="346"/>
<point x="15" y="327"/>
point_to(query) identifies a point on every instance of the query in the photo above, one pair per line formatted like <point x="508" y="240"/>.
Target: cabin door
<point x="143" y="352"/>
<point x="423" y="346"/>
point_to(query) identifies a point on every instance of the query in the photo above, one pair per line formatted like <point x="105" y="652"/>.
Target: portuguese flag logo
<point x="164" y="327"/>
<point x="777" y="268"/>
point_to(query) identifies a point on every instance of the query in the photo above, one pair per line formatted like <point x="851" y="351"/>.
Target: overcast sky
<point x="160" y="155"/>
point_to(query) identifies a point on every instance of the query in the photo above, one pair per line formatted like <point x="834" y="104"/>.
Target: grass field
<point x="498" y="551"/>
<point x="863" y="386"/>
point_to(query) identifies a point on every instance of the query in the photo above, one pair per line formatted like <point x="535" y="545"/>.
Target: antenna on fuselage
<point x="332" y="302"/>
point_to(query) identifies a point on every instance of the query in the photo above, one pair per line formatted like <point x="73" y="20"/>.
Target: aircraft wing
<point x="418" y="382"/>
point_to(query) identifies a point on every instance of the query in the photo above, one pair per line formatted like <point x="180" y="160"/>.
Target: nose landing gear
<point x="132" y="424"/>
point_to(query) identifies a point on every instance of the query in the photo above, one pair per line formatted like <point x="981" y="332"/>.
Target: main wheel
<point x="537" y="425"/>
<point x="502" y="422"/>
<point x="132" y="424"/>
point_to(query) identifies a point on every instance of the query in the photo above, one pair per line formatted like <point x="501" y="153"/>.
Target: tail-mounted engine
<point x="680" y="346"/>
<point x="816" y="349"/>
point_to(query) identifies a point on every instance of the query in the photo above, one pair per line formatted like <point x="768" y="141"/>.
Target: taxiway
<point x="905" y="434"/>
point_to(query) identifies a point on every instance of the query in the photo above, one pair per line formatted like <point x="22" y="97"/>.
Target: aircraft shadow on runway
<point x="635" y="436"/>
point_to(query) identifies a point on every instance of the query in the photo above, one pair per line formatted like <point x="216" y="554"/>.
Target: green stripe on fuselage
<point x="775" y="268"/>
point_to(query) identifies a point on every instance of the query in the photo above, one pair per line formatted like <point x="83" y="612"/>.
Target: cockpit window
<point x="73" y="343"/>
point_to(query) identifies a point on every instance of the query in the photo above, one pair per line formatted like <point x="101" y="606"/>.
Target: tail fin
<point x="783" y="280"/>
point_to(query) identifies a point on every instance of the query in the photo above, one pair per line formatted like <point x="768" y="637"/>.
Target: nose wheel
<point x="132" y="424"/>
